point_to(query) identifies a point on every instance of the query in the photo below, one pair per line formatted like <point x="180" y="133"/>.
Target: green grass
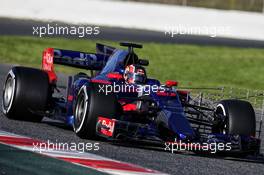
<point x="201" y="65"/>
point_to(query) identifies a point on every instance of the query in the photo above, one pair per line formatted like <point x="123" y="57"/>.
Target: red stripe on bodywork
<point x="70" y="97"/>
<point x="168" y="94"/>
<point x="130" y="107"/>
<point x="183" y="92"/>
<point x="100" y="81"/>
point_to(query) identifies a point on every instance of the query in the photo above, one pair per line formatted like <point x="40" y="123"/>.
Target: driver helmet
<point x="135" y="74"/>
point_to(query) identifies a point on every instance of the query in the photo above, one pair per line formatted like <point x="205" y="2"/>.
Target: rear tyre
<point x="26" y="92"/>
<point x="239" y="117"/>
<point x="90" y="104"/>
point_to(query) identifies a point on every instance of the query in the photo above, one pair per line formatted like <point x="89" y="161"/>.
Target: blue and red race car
<point x="118" y="101"/>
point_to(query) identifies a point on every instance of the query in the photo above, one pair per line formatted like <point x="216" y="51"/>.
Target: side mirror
<point x="170" y="83"/>
<point x="115" y="75"/>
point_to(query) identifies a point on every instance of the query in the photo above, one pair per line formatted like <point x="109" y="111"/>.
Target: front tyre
<point x="239" y="117"/>
<point x="90" y="104"/>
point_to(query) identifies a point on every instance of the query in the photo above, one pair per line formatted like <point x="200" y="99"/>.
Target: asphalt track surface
<point x="154" y="158"/>
<point x="25" y="27"/>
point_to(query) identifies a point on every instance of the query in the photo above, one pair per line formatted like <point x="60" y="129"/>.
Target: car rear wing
<point x="88" y="61"/>
<point x="104" y="49"/>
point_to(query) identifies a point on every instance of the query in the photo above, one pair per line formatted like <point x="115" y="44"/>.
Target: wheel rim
<point x="80" y="111"/>
<point x="224" y="130"/>
<point x="8" y="93"/>
<point x="221" y="110"/>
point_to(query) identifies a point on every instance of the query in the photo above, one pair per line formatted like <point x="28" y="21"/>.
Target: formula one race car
<point x="119" y="102"/>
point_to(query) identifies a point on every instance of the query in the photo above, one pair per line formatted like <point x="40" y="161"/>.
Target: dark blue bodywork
<point x="108" y="60"/>
<point x="173" y="110"/>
